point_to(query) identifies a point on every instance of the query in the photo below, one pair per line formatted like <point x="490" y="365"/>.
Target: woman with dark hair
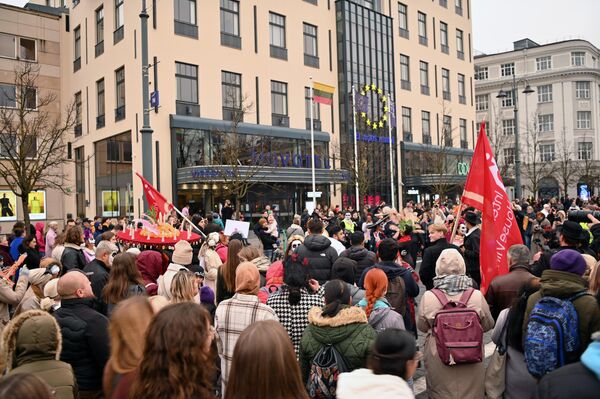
<point x="29" y="247"/>
<point x="72" y="256"/>
<point x="177" y="362"/>
<point x="338" y="324"/>
<point x="276" y="375"/>
<point x="123" y="282"/>
<point x="226" y="273"/>
<point x="392" y="362"/>
<point x="24" y="386"/>
<point x="295" y="298"/>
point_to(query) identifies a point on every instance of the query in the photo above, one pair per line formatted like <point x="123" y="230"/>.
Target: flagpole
<point x="188" y="220"/>
<point x="355" y="149"/>
<point x="455" y="225"/>
<point x="312" y="146"/>
<point x="391" y="150"/>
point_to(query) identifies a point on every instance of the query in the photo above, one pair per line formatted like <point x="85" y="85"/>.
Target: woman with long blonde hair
<point x="184" y="287"/>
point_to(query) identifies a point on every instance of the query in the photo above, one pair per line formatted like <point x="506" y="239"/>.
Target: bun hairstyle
<point x="337" y="297"/>
<point x="392" y="350"/>
<point x="376" y="284"/>
<point x="295" y="277"/>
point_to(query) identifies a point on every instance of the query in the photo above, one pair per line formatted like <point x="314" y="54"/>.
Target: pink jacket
<point x="222" y="251"/>
<point x="39" y="237"/>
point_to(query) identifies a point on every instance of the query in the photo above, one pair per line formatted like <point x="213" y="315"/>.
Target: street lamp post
<point x="146" y="130"/>
<point x="502" y="94"/>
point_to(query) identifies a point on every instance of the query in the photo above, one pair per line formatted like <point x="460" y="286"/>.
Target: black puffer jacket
<point x="85" y="341"/>
<point x="363" y="258"/>
<point x="317" y="249"/>
<point x="72" y="258"/>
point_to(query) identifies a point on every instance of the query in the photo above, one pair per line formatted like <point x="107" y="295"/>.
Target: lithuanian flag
<point x="323" y="93"/>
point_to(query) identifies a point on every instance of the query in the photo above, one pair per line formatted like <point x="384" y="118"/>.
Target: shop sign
<point x="287" y="160"/>
<point x="463" y="168"/>
<point x="372" y="138"/>
<point x="412" y="192"/>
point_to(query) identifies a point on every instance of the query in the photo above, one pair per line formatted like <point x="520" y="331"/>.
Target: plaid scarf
<point x="452" y="284"/>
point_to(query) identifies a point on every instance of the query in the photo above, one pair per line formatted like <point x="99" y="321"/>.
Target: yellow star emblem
<point x="373" y="87"/>
<point x="375" y="126"/>
<point x="380" y="123"/>
<point x="362" y="93"/>
<point x="383" y="99"/>
<point x="363" y="114"/>
<point x="386" y="109"/>
<point x="379" y="91"/>
<point x="368" y="122"/>
<point x="367" y="88"/>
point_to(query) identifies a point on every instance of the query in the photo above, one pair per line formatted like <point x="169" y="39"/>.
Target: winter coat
<point x="362" y="383"/>
<point x="471" y="255"/>
<point x="32" y="261"/>
<point x="363" y="258"/>
<point x="212" y="262"/>
<point x="72" y="258"/>
<point x="505" y="288"/>
<point x="320" y="254"/>
<point x="383" y="316"/>
<point x="165" y="280"/>
<point x="221" y="250"/>
<point x="85" y="341"/>
<point x="132" y="290"/>
<point x="430" y="256"/>
<point x="35" y="349"/>
<point x="266" y="239"/>
<point x="39" y="237"/>
<point x="14" y="247"/>
<point x="356" y="294"/>
<point x="274" y="280"/>
<point x="5" y="253"/>
<point x="348" y="331"/>
<point x="10" y="297"/>
<point x="537" y="268"/>
<point x="294" y="230"/>
<point x="98" y="274"/>
<point x="463" y="381"/>
<point x="564" y="285"/>
<point x="150" y="265"/>
<point x="50" y="239"/>
<point x="538" y="229"/>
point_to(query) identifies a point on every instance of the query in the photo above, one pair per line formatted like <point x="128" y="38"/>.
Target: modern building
<point x="557" y="118"/>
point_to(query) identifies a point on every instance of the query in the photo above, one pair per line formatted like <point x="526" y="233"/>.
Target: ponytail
<point x="337" y="297"/>
<point x="294" y="295"/>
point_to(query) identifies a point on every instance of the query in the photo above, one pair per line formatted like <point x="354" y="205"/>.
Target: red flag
<point x="154" y="198"/>
<point x="485" y="191"/>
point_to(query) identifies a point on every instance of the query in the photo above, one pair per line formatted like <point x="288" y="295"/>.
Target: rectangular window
<point x="100" y="104"/>
<point x="8" y="95"/>
<point x="186" y="76"/>
<point x="406" y="124"/>
<point x="578" y="58"/>
<point x="584" y="151"/>
<point x="422" y="28"/>
<point x="230" y="17"/>
<point x="546" y="152"/>
<point x="424" y="72"/>
<point x="77" y="49"/>
<point x="447" y="131"/>
<point x="30" y="98"/>
<point x="461" y="89"/>
<point x="7" y="45"/>
<point x="277" y="36"/>
<point x="404" y="72"/>
<point x="99" y="31"/>
<point x="482" y="102"/>
<point x="403" y="19"/>
<point x="460" y="44"/>
<point x="185" y="18"/>
<point x="78" y="111"/>
<point x="544" y="93"/>
<point x="446" y="84"/>
<point x="584" y="119"/>
<point x="509" y="156"/>
<point x="316" y="110"/>
<point x="546" y="123"/>
<point x="444" y="37"/>
<point x="507" y="69"/>
<point x="543" y="63"/>
<point x="119" y="31"/>
<point x="120" y="93"/>
<point x="458" y="7"/>
<point x="462" y="125"/>
<point x="279" y="103"/>
<point x="508" y="127"/>
<point x="582" y="90"/>
<point x="27" y="49"/>
<point x="231" y="96"/>
<point x="311" y="53"/>
<point x="509" y="100"/>
<point x="426" y="127"/>
<point x="481" y="73"/>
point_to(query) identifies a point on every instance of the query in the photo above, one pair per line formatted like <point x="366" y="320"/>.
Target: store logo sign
<point x="463" y="168"/>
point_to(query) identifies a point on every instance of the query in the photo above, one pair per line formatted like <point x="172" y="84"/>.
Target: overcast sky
<point x="498" y="23"/>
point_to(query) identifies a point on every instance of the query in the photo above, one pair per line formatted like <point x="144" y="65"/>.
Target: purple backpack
<point x="457" y="330"/>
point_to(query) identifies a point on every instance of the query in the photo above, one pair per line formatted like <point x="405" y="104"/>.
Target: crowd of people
<point x="327" y="306"/>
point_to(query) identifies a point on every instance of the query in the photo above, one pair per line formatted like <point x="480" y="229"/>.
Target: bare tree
<point x="566" y="166"/>
<point x="587" y="167"/>
<point x="33" y="137"/>
<point x="499" y="141"/>
<point x="437" y="161"/>
<point x="536" y="166"/>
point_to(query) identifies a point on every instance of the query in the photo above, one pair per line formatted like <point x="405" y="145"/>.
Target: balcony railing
<point x="425" y="90"/>
<point x="464" y="144"/>
<point x="233" y="114"/>
<point x="232" y="41"/>
<point x="279" y="52"/>
<point x="77" y="64"/>
<point x="100" y="121"/>
<point x="119" y="113"/>
<point x="316" y="124"/>
<point x="427" y="139"/>
<point x="280" y="120"/>
<point x="78" y="130"/>
<point x="423" y="40"/>
<point x="185" y="29"/>
<point x="405" y="84"/>
<point x="99" y="49"/>
<point x="187" y="109"/>
<point x="447" y="96"/>
<point x="404" y="33"/>
<point x="119" y="34"/>
<point x="311" y="61"/>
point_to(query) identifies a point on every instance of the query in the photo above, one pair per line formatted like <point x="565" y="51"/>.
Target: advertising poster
<point x="36" y="202"/>
<point x="110" y="203"/>
<point x="8" y="206"/>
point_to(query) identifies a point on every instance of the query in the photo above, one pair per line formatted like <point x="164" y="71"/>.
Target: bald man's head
<point x="74" y="284"/>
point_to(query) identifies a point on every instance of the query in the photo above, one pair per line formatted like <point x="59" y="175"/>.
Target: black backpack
<point x="325" y="369"/>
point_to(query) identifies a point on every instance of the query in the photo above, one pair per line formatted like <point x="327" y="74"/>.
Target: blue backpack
<point x="552" y="335"/>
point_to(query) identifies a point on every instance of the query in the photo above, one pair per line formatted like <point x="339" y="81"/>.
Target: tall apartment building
<point x="557" y="122"/>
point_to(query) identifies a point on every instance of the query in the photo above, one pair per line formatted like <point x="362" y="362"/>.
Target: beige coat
<point x="10" y="297"/>
<point x="212" y="262"/>
<point x="463" y="381"/>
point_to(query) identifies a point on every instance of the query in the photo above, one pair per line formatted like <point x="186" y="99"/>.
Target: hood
<point x="262" y="263"/>
<point x="31" y="336"/>
<point x="362" y="383"/>
<point x="275" y="273"/>
<point x="561" y="284"/>
<point x="357" y="253"/>
<point x="317" y="243"/>
<point x="591" y="358"/>
<point x="336" y="329"/>
<point x="39" y="226"/>
<point x="392" y="269"/>
<point x="149" y="263"/>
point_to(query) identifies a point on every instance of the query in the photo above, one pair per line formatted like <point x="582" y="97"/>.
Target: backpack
<point x="325" y="369"/>
<point x="457" y="330"/>
<point x="266" y="291"/>
<point x="552" y="336"/>
<point x="396" y="295"/>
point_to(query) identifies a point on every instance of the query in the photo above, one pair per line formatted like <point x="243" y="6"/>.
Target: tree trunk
<point x="24" y="203"/>
<point x="236" y="213"/>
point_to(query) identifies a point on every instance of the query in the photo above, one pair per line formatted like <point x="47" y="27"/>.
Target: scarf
<point x="452" y="284"/>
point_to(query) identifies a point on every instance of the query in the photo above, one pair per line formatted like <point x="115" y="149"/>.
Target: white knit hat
<point x="183" y="253"/>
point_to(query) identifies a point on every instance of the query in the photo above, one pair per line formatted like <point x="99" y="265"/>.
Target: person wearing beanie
<point x="51" y="300"/>
<point x="345" y="268"/>
<point x="150" y="265"/>
<point x="211" y="259"/>
<point x="181" y="259"/>
<point x="564" y="280"/>
<point x="38" y="278"/>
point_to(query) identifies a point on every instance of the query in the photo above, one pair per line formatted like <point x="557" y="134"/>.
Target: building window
<point x="279" y="103"/>
<point x="424" y="72"/>
<point x="481" y="73"/>
<point x="426" y="127"/>
<point x="186" y="76"/>
<point x="30" y="97"/>
<point x="482" y="102"/>
<point x="77" y="49"/>
<point x="508" y="127"/>
<point x="185" y="18"/>
<point x="509" y="100"/>
<point x="80" y="180"/>
<point x="582" y="90"/>
<point x="444" y="37"/>
<point x="422" y="28"/>
<point x="316" y="111"/>
<point x="277" y="34"/>
<point x="78" y="110"/>
<point x="584" y="151"/>
<point x="446" y="84"/>
<point x="100" y="118"/>
<point x="462" y="125"/>
<point x="406" y="124"/>
<point x="311" y="53"/>
<point x="120" y="93"/>
<point x="507" y="69"/>
<point x="119" y="32"/>
<point x="7" y="45"/>
<point x="447" y="131"/>
<point x="27" y="49"/>
<point x="584" y="119"/>
<point x="403" y="19"/>
<point x="544" y="93"/>
<point x="8" y="95"/>
<point x="578" y="58"/>
<point x="231" y="93"/>
<point x="458" y="7"/>
<point x="546" y="123"/>
<point x="509" y="156"/>
<point x="546" y="152"/>
<point x="543" y="63"/>
<point x="460" y="44"/>
<point x="99" y="48"/>
<point x="404" y="72"/>
<point x="461" y="89"/>
<point x="486" y="125"/>
<point x="230" y="24"/>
